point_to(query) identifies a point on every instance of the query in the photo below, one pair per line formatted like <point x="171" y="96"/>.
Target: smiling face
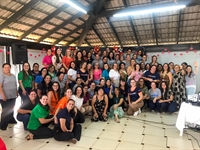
<point x="189" y="69"/>
<point x="163" y="85"/>
<point x="6" y="69"/>
<point x="59" y="51"/>
<point x="26" y="67"/>
<point x="153" y="85"/>
<point x="73" y="65"/>
<point x="68" y="93"/>
<point x="44" y="100"/>
<point x="32" y="96"/>
<point x="79" y="91"/>
<point x="133" y="83"/>
<point x="49" y="52"/>
<point x="70" y="105"/>
<point x="55" y="86"/>
<point x="47" y="79"/>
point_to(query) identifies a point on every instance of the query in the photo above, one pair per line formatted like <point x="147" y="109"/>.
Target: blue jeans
<point x="24" y="118"/>
<point x="96" y="82"/>
<point x="151" y="104"/>
<point x="166" y="107"/>
<point x="24" y="97"/>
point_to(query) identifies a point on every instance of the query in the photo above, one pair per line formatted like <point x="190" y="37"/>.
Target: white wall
<point x="178" y="58"/>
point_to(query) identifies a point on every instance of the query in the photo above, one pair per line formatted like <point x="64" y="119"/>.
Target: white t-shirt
<point x="78" y="101"/>
<point x="73" y="73"/>
<point x="114" y="74"/>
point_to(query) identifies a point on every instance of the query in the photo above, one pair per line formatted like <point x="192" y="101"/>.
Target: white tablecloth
<point x="188" y="113"/>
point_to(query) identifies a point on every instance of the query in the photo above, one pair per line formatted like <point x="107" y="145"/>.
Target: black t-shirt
<point x="154" y="76"/>
<point x="64" y="114"/>
<point x="28" y="105"/>
<point x="134" y="95"/>
<point x="83" y="75"/>
<point x="44" y="89"/>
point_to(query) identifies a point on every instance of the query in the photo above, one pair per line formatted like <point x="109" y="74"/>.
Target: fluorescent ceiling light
<point x="45" y="43"/>
<point x="75" y="6"/>
<point x="147" y="11"/>
<point x="58" y="45"/>
<point x="7" y="36"/>
<point x="28" y="40"/>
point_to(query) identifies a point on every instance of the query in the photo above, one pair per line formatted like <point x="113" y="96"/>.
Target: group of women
<point x="103" y="84"/>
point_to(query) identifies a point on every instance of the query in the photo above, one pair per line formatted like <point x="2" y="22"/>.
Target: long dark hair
<point x="25" y="76"/>
<point x="168" y="70"/>
<point x="75" y="92"/>
<point x="58" y="91"/>
<point x="74" y="64"/>
<point x="72" y="112"/>
<point x="191" y="70"/>
<point x="43" y="81"/>
<point x="57" y="57"/>
<point x="108" y="56"/>
<point x="164" y="96"/>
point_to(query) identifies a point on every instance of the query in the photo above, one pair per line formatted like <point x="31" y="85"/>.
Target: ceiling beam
<point x="40" y="23"/>
<point x="154" y="25"/>
<point x="179" y="26"/>
<point x="132" y="25"/>
<point x="17" y="14"/>
<point x="91" y="20"/>
<point x="88" y="42"/>
<point x="114" y="32"/>
<point x="70" y="33"/>
<point x="60" y="26"/>
<point x="95" y="31"/>
<point x="110" y="13"/>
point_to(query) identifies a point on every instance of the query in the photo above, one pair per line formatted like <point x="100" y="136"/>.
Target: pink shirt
<point x="137" y="75"/>
<point x="97" y="74"/>
<point x="47" y="60"/>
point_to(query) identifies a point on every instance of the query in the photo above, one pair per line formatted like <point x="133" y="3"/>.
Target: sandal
<point x="29" y="137"/>
<point x="117" y="120"/>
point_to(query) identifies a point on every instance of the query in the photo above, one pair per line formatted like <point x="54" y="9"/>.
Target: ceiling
<point x="55" y="22"/>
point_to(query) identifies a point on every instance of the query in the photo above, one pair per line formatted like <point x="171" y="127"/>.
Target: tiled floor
<point x="131" y="134"/>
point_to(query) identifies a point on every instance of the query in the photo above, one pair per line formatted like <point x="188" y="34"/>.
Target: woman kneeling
<point x="65" y="129"/>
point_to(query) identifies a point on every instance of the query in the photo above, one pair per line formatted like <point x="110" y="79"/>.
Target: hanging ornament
<point x="187" y="51"/>
<point x="38" y="55"/>
<point x="174" y="54"/>
<point x="1" y="51"/>
<point x="191" y="48"/>
<point x="8" y="53"/>
<point x="195" y="51"/>
<point x="31" y="55"/>
<point x="163" y="52"/>
<point x="181" y="54"/>
<point x="96" y="49"/>
<point x="158" y="55"/>
<point x="35" y="56"/>
<point x="168" y="52"/>
<point x="165" y="49"/>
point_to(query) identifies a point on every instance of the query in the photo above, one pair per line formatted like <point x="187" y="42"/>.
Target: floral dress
<point x="100" y="106"/>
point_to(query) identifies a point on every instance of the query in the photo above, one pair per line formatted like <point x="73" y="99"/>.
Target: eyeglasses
<point x="55" y="85"/>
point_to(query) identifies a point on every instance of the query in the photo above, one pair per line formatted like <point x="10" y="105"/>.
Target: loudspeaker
<point x="19" y="53"/>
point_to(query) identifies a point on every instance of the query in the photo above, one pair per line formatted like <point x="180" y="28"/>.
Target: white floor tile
<point x="179" y="143"/>
<point x="129" y="146"/>
<point x="93" y="133"/>
<point x="103" y="144"/>
<point x="14" y="142"/>
<point x="52" y="146"/>
<point x="98" y="125"/>
<point x="129" y="137"/>
<point x="155" y="141"/>
<point x="111" y="135"/>
<point x="86" y="142"/>
<point x="30" y="145"/>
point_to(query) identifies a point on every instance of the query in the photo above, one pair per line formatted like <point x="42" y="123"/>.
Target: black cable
<point x="192" y="137"/>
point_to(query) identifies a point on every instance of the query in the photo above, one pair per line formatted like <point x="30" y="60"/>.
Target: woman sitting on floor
<point x="100" y="105"/>
<point x="135" y="99"/>
<point x="66" y="129"/>
<point x="166" y="103"/>
<point x="116" y="109"/>
<point x="40" y="120"/>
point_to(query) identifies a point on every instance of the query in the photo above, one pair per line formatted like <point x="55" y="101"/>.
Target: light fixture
<point x="147" y="11"/>
<point x="45" y="43"/>
<point x="58" y="45"/>
<point x="7" y="36"/>
<point x="75" y="6"/>
<point x="28" y="40"/>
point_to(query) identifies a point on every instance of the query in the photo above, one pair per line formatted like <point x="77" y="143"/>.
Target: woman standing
<point x="53" y="96"/>
<point x="136" y="74"/>
<point x="96" y="73"/>
<point x="135" y="99"/>
<point x="51" y="71"/>
<point x="39" y="78"/>
<point x="171" y="67"/>
<point x="72" y="74"/>
<point x="67" y="59"/>
<point x="131" y="68"/>
<point x="89" y="58"/>
<point x="105" y="72"/>
<point x="116" y="110"/>
<point x="35" y="72"/>
<point x="154" y="60"/>
<point x="114" y="75"/>
<point x="190" y="79"/>
<point x="57" y="59"/>
<point x="84" y="55"/>
<point x="8" y="95"/>
<point x="83" y="73"/>
<point x="111" y="59"/>
<point x="166" y="103"/>
<point x="40" y="120"/>
<point x="79" y="59"/>
<point x="178" y="85"/>
<point x="60" y="79"/>
<point x="47" y="60"/>
<point x="90" y="72"/>
<point x="122" y="71"/>
<point x="26" y="82"/>
<point x="99" y="106"/>
<point x="166" y="75"/>
<point x="66" y="129"/>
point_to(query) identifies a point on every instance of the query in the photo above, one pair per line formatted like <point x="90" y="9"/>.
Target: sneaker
<point x="136" y="113"/>
<point x="139" y="111"/>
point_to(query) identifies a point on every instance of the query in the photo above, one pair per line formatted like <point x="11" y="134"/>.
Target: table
<point x="188" y="113"/>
